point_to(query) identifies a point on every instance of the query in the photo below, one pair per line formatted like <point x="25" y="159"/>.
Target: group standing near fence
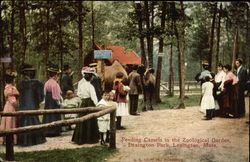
<point x="29" y="93"/>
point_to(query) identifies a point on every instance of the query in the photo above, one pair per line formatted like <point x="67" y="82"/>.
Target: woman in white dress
<point x="207" y="101"/>
<point x="219" y="85"/>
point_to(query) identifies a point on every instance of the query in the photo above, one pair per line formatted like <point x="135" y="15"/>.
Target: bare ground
<point x="159" y="128"/>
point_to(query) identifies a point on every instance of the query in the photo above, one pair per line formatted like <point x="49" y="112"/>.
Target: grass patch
<point x="172" y="102"/>
<point x="91" y="154"/>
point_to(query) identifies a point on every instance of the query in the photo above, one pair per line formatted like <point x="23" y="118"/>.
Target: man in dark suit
<point x="66" y="81"/>
<point x="242" y="78"/>
<point x="135" y="85"/>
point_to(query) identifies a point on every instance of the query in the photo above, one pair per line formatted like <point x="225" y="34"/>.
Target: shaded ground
<point x="149" y="137"/>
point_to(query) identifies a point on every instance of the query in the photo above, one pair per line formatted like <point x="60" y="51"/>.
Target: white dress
<point x="103" y="121"/>
<point x="74" y="102"/>
<point x="207" y="101"/>
<point x="122" y="107"/>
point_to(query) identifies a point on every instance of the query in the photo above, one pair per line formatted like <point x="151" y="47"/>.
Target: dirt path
<point x="182" y="124"/>
<point x="149" y="138"/>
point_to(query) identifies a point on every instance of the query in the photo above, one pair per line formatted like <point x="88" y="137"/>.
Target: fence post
<point x="112" y="143"/>
<point x="9" y="147"/>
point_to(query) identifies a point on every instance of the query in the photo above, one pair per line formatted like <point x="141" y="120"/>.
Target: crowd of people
<point x="223" y="93"/>
<point x="29" y="93"/>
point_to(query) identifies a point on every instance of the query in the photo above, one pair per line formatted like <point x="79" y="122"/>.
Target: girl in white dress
<point x="121" y="91"/>
<point x="207" y="102"/>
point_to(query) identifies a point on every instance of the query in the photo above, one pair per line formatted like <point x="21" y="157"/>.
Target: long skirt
<point x="50" y="103"/>
<point x="8" y="122"/>
<point x="31" y="138"/>
<point x="87" y="131"/>
<point x="230" y="100"/>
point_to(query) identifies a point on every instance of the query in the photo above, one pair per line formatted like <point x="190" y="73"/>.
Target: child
<point x="104" y="121"/>
<point x="70" y="101"/>
<point x="121" y="92"/>
<point x="207" y="102"/>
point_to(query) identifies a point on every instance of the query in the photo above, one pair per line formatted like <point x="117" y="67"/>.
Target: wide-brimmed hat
<point x="87" y="69"/>
<point x="53" y="68"/>
<point x="27" y="67"/>
<point x="11" y="73"/>
<point x="205" y="62"/>
<point x="92" y="65"/>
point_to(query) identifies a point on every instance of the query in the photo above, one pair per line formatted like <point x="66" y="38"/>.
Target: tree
<point x="217" y="60"/>
<point x="12" y="32"/>
<point x="149" y="35"/>
<point x="180" y="36"/>
<point x="23" y="30"/>
<point x="140" y="30"/>
<point x="80" y="32"/>
<point x="211" y="38"/>
<point x="159" y="64"/>
<point x="1" y="55"/>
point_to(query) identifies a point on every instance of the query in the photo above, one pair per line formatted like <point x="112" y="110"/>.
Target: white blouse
<point x="220" y="77"/>
<point x="86" y="90"/>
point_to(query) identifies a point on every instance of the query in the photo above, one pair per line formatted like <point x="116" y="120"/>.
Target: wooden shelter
<point x="118" y="53"/>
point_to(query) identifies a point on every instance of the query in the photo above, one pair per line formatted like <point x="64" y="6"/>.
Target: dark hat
<point x="53" y="68"/>
<point x="27" y="67"/>
<point x="66" y="67"/>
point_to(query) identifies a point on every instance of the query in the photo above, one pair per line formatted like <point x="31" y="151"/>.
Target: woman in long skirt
<point x="230" y="94"/>
<point x="11" y="95"/>
<point x="87" y="131"/>
<point x="31" y="95"/>
<point x="52" y="97"/>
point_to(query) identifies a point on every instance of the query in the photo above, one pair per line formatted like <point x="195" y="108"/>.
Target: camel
<point x="110" y="74"/>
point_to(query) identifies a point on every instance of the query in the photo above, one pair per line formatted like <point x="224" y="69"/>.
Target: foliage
<point x="116" y="24"/>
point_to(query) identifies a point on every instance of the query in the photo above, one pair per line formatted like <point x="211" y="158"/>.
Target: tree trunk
<point x="1" y="55"/>
<point x="80" y="21"/>
<point x="217" y="58"/>
<point x="152" y="35"/>
<point x="211" y="38"/>
<point x="140" y="29"/>
<point x="228" y="42"/>
<point x="149" y="47"/>
<point x="47" y="47"/>
<point x="180" y="35"/>
<point x="236" y="48"/>
<point x="22" y="30"/>
<point x="171" y="73"/>
<point x="159" y="64"/>
<point x="93" y="24"/>
<point x="12" y="24"/>
<point x="60" y="57"/>
<point x="247" y="38"/>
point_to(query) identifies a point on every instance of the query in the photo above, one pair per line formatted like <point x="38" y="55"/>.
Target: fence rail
<point x="96" y="112"/>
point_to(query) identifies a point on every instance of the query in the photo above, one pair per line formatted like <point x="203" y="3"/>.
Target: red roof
<point x="120" y="55"/>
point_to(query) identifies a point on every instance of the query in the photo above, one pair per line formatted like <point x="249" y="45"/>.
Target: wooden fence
<point x="188" y="85"/>
<point x="94" y="112"/>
